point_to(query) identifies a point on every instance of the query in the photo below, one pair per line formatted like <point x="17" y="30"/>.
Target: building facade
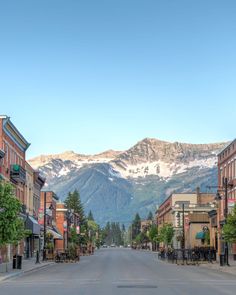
<point x="48" y="204"/>
<point x="13" y="169"/>
<point x="226" y="173"/>
<point x="180" y="209"/>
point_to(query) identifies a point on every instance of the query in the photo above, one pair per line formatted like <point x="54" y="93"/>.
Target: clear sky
<point x="89" y="75"/>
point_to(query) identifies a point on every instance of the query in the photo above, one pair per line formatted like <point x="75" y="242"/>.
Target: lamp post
<point x="44" y="224"/>
<point x="69" y="215"/>
<point x="183" y="230"/>
<point x="224" y="188"/>
<point x="183" y="240"/>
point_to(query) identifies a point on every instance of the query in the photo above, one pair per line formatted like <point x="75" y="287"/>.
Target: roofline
<point x="8" y="120"/>
<point x="54" y="194"/>
<point x="190" y="193"/>
<point x="225" y="148"/>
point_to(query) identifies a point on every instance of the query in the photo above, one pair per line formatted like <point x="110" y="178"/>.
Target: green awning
<point x="200" y="235"/>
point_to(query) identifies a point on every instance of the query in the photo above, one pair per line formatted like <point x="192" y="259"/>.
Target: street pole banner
<point x="65" y="225"/>
<point x="41" y="216"/>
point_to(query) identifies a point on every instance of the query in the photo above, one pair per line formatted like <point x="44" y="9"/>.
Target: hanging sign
<point x="41" y="216"/>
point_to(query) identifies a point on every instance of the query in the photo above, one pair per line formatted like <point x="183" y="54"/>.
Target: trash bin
<point x="14" y="262"/>
<point x="222" y="260"/>
<point x="18" y="261"/>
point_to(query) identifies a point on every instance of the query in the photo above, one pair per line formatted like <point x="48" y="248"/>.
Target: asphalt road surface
<point x="121" y="272"/>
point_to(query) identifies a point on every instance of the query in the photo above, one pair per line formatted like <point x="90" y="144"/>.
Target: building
<point x="65" y="221"/>
<point x="181" y="207"/>
<point x="145" y="225"/>
<point x="2" y="154"/>
<point x="12" y="169"/>
<point x="33" y="186"/>
<point x="226" y="173"/>
<point x="48" y="204"/>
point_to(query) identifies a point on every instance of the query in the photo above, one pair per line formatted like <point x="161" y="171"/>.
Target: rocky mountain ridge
<point x="134" y="180"/>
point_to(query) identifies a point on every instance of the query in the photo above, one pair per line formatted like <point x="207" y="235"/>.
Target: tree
<point x="136" y="224"/>
<point x="90" y="216"/>
<point x="153" y="233"/>
<point x="153" y="236"/>
<point x="150" y="216"/>
<point x="166" y="234"/>
<point x="73" y="201"/>
<point x="11" y="224"/>
<point x="229" y="229"/>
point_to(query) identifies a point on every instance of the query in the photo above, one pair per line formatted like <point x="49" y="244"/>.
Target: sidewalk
<point x="27" y="266"/>
<point x="216" y="266"/>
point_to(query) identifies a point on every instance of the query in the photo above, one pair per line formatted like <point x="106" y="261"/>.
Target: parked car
<point x="113" y="245"/>
<point x="104" y="246"/>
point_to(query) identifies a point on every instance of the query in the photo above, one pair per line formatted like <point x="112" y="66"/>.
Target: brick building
<point x="33" y="186"/>
<point x="64" y="222"/>
<point x="12" y="168"/>
<point x="50" y="199"/>
<point x="14" y="145"/>
<point x="226" y="170"/>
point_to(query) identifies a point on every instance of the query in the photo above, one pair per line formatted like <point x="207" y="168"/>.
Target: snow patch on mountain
<point x="162" y="169"/>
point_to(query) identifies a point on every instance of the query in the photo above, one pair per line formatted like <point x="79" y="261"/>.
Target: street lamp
<point x="69" y="221"/>
<point x="44" y="225"/>
<point x="183" y="233"/>
<point x="224" y="188"/>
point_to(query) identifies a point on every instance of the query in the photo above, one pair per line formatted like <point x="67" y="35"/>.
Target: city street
<point x="120" y="271"/>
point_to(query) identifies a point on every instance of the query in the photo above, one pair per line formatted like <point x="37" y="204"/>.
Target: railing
<point x="188" y="256"/>
<point x="18" y="173"/>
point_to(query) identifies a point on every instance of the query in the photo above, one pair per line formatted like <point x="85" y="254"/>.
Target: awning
<point x="56" y="235"/>
<point x="200" y="235"/>
<point x="32" y="224"/>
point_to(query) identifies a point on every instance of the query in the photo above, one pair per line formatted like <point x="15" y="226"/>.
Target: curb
<point x="221" y="269"/>
<point x="19" y="273"/>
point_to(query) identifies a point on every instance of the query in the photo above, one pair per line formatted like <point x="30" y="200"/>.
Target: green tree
<point x="166" y="234"/>
<point x="229" y="229"/>
<point x="73" y="201"/>
<point x="150" y="216"/>
<point x="11" y="224"/>
<point x="90" y="216"/>
<point x="136" y="225"/>
<point x="153" y="233"/>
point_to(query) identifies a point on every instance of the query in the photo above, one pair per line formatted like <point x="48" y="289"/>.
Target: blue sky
<point x="93" y="75"/>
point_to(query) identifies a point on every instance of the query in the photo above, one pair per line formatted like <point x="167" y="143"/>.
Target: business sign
<point x="41" y="216"/>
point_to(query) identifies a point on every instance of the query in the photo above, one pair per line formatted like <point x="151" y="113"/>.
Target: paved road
<point x="121" y="272"/>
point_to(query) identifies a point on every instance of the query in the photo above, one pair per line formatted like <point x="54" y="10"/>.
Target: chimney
<point x="198" y="195"/>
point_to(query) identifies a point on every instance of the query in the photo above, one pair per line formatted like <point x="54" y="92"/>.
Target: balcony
<point x="18" y="174"/>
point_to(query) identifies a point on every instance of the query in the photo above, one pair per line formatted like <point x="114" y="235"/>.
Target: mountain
<point x="115" y="184"/>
